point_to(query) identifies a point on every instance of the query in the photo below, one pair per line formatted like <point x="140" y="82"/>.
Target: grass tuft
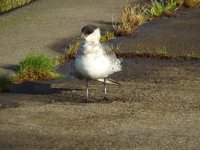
<point x="188" y="3"/>
<point x="6" y="5"/>
<point x="107" y="36"/>
<point x="162" y="51"/>
<point x="36" y="67"/>
<point x="192" y="3"/>
<point x="180" y="2"/>
<point x="171" y="6"/>
<point x="131" y="18"/>
<point x="5" y="82"/>
<point x="156" y="8"/>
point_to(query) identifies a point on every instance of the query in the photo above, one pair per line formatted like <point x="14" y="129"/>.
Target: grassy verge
<point x="6" y="5"/>
<point x="107" y="36"/>
<point x="5" y="82"/>
<point x="36" y="67"/>
<point x="159" y="53"/>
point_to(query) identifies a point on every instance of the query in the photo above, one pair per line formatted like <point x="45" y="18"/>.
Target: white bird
<point x="94" y="61"/>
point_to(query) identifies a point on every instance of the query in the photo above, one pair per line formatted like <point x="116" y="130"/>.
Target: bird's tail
<point x="109" y="81"/>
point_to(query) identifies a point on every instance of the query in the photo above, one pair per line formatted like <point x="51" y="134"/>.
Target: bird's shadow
<point x="38" y="88"/>
<point x="10" y="67"/>
<point x="72" y="93"/>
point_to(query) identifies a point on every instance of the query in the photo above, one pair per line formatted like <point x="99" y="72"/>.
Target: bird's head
<point x="91" y="33"/>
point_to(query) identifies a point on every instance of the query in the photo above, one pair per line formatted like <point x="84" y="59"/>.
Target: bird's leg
<point x="105" y="87"/>
<point x="87" y="91"/>
<point x="105" y="90"/>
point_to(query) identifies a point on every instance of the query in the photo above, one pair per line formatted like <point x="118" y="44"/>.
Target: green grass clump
<point x="171" y="6"/>
<point x="131" y="18"/>
<point x="36" y="67"/>
<point x="162" y="51"/>
<point x="5" y="82"/>
<point x="157" y="9"/>
<point x="159" y="53"/>
<point x="107" y="36"/>
<point x="6" y="5"/>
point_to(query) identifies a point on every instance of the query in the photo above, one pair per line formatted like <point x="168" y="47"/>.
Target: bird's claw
<point x="105" y="99"/>
<point x="87" y="100"/>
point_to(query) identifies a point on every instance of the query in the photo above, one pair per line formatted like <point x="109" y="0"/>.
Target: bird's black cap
<point x="88" y="29"/>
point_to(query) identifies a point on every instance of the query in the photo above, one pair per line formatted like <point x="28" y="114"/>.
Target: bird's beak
<point x="82" y="36"/>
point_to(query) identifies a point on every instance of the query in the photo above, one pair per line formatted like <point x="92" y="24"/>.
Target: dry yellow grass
<point x="107" y="36"/>
<point x="180" y="2"/>
<point x="188" y="3"/>
<point x="131" y="18"/>
<point x="192" y="3"/>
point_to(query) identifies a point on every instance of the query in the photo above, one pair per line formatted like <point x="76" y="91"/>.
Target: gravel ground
<point x="156" y="107"/>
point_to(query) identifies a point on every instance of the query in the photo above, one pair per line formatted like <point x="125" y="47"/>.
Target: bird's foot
<point x="86" y="100"/>
<point x="105" y="99"/>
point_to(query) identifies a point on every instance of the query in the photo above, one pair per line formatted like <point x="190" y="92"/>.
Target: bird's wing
<point x="80" y="50"/>
<point x="74" y="72"/>
<point x="110" y="54"/>
<point x="108" y="51"/>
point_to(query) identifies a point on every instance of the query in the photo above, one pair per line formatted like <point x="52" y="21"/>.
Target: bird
<point x="94" y="60"/>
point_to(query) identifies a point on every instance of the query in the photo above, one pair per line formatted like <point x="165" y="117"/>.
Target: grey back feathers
<point x="74" y="72"/>
<point x="109" y="52"/>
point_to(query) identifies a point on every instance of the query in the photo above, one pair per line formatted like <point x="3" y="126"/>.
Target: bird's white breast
<point x="93" y="63"/>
